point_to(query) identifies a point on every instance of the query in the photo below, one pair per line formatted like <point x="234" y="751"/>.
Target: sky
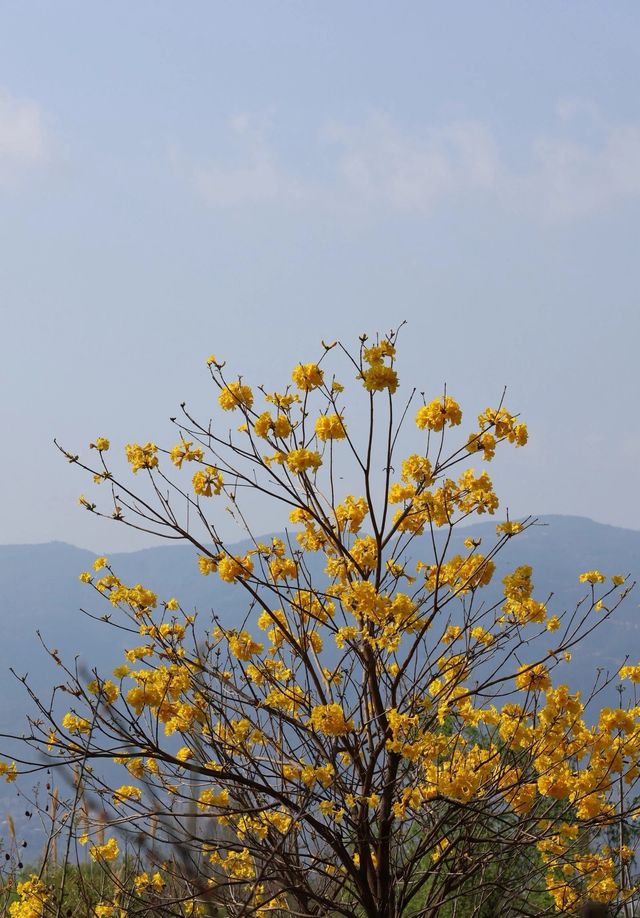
<point x="250" y="178"/>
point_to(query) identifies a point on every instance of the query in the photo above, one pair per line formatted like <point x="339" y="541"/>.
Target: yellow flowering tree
<point x="373" y="737"/>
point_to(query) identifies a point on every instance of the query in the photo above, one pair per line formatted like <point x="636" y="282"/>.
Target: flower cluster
<point x="363" y="700"/>
<point x="377" y="375"/>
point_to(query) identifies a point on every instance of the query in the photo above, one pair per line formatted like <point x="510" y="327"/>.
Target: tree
<point x="374" y="738"/>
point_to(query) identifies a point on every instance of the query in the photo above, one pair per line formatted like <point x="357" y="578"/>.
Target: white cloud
<point x="254" y="177"/>
<point x="258" y="181"/>
<point x="383" y="166"/>
<point x="24" y="140"/>
<point x="375" y="166"/>
<point x="569" y="180"/>
<point x="571" y="107"/>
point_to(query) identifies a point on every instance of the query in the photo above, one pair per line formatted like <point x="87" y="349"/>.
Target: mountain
<point x="40" y="592"/>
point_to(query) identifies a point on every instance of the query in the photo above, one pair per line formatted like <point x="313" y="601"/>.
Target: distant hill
<point x="40" y="591"/>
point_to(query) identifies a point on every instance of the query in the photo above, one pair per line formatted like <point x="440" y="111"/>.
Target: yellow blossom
<point x="330" y="719"/>
<point x="533" y="678"/>
<point x="125" y="793"/>
<point x="235" y="568"/>
<point x="504" y="425"/>
<point x="207" y="565"/>
<point x="76" y="724"/>
<point x="243" y="647"/>
<point x="208" y="481"/>
<point x="330" y="427"/>
<point x="630" y="672"/>
<point x="107" y="690"/>
<point x="209" y="798"/>
<point x="438" y="412"/>
<point x="482" y="442"/>
<point x="106" y="852"/>
<point x="509" y="527"/>
<point x="8" y="772"/>
<point x="378" y="377"/>
<point x="301" y="460"/>
<point x="184" y="453"/>
<point x="33" y="896"/>
<point x="141" y="457"/>
<point x="307" y="376"/>
<point x="235" y="395"/>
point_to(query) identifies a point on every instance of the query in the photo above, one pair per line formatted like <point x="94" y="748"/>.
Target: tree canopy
<point x="375" y="737"/>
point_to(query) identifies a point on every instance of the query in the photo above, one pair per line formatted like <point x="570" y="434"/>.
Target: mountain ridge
<point x="40" y="592"/>
<point x="545" y="518"/>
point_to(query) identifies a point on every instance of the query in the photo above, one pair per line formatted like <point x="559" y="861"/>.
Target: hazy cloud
<point x="375" y="165"/>
<point x="257" y="182"/>
<point x="383" y="166"/>
<point x="571" y="107"/>
<point x="24" y="139"/>
<point x="254" y="175"/>
<point x="569" y="180"/>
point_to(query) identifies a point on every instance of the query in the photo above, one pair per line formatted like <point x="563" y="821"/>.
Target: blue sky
<point x="247" y="179"/>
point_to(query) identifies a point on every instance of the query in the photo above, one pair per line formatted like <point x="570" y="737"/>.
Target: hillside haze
<point x="40" y="592"/>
